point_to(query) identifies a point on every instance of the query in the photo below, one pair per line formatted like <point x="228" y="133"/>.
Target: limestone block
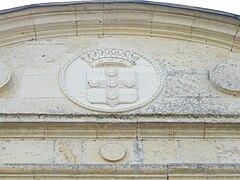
<point x="12" y="26"/>
<point x="127" y="27"/>
<point x="172" y="19"/>
<point x="55" y="24"/>
<point x="74" y="45"/>
<point x="26" y="105"/>
<point x="63" y="105"/>
<point x="187" y="85"/>
<point x="179" y="105"/>
<point x="16" y="14"/>
<point x="18" y="38"/>
<point x="228" y="151"/>
<point x="22" y="119"/>
<point x="228" y="105"/>
<point x="176" y="64"/>
<point x="94" y="17"/>
<point x="89" y="22"/>
<point x="163" y="30"/>
<point x="36" y="52"/>
<point x="214" y="26"/>
<point x="56" y="20"/>
<point x="2" y="105"/>
<point x="128" y="15"/>
<point x="160" y="151"/>
<point x="201" y="151"/>
<point x="68" y="151"/>
<point x="89" y="7"/>
<point x="55" y="9"/>
<point x="57" y="32"/>
<point x="140" y="44"/>
<point x="40" y="86"/>
<point x="29" y="151"/>
<point x="85" y="28"/>
<point x="39" y="69"/>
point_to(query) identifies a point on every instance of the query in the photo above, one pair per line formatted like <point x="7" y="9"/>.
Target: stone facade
<point x="119" y="90"/>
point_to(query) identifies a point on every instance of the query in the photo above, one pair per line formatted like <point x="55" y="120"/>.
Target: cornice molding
<point x="139" y="130"/>
<point x="178" y="170"/>
<point x="134" y="18"/>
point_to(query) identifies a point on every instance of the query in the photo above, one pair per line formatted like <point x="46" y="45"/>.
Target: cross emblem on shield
<point x="111" y="86"/>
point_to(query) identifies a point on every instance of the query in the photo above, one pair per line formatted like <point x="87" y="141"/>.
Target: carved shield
<point x="111" y="86"/>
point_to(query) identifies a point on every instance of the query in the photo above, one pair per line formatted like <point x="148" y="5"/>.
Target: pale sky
<point x="232" y="6"/>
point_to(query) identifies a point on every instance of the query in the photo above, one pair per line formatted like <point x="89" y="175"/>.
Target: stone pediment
<point x="119" y="89"/>
<point x="183" y="47"/>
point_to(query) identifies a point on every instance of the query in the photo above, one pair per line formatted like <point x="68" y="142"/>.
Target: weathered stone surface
<point x="5" y="74"/>
<point x="64" y="105"/>
<point x="12" y="90"/>
<point x="68" y="151"/>
<point x="198" y="151"/>
<point x="26" y="105"/>
<point x="119" y="90"/>
<point x="2" y="105"/>
<point x="228" y="149"/>
<point x="91" y="152"/>
<point x="158" y="151"/>
<point x="112" y="152"/>
<point x="40" y="87"/>
<point x="185" y="73"/>
<point x="226" y="77"/>
<point x="163" y="152"/>
<point x="26" y="151"/>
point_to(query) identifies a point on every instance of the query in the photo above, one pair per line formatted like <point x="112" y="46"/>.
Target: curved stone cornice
<point x="34" y="22"/>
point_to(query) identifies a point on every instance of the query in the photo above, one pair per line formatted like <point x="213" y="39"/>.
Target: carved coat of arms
<point x="110" y="80"/>
<point x="112" y="86"/>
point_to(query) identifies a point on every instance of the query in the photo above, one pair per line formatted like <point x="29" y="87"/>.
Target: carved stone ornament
<point x="226" y="77"/>
<point x="111" y="80"/>
<point x="5" y="74"/>
<point x="113" y="152"/>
